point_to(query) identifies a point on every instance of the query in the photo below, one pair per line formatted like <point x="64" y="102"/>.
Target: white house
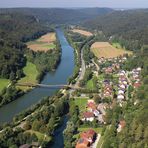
<point x="120" y="97"/>
<point x="120" y="91"/>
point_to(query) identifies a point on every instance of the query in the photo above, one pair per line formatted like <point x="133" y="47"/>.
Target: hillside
<point x="61" y="15"/>
<point x="15" y="28"/>
<point x="130" y="27"/>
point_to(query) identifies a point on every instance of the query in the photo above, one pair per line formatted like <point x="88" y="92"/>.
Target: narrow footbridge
<point x="48" y="86"/>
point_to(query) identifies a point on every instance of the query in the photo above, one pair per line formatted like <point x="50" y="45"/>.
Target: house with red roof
<point x="121" y="125"/>
<point x="137" y="84"/>
<point x="86" y="139"/>
<point x="88" y="116"/>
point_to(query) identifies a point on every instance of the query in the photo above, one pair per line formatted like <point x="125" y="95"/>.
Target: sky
<point x="75" y="3"/>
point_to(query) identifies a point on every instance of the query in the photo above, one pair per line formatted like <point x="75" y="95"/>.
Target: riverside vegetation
<point x="38" y="123"/>
<point x="15" y="56"/>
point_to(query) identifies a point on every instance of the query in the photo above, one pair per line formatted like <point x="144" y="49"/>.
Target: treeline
<point x="135" y="133"/>
<point x="45" y="61"/>
<point x="15" y="29"/>
<point x="58" y="16"/>
<point x="129" y="28"/>
<point x="9" y="94"/>
<point x="44" y="121"/>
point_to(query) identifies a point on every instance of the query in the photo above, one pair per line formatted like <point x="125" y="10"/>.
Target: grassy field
<point x="117" y="45"/>
<point x="100" y="143"/>
<point x="97" y="130"/>
<point x="82" y="32"/>
<point x="81" y="103"/>
<point x="90" y="84"/>
<point x="31" y="73"/>
<point x="40" y="135"/>
<point x="3" y="83"/>
<point x="106" y="50"/>
<point x="44" y="43"/>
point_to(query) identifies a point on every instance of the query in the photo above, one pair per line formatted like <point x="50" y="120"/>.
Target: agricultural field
<point x="44" y="43"/>
<point x="82" y="32"/>
<point x="31" y="73"/>
<point x="106" y="50"/>
<point x="3" y="83"/>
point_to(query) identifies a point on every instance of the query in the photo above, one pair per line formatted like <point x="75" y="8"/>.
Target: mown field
<point x="3" y="83"/>
<point x="82" y="32"/>
<point x="31" y="73"/>
<point x="44" y="43"/>
<point x="106" y="50"/>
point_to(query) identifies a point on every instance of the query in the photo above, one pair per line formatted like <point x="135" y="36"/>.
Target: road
<point x="83" y="68"/>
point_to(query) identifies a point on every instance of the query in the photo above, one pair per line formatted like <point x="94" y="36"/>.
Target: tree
<point x="139" y="133"/>
<point x="97" y="99"/>
<point x="36" y="125"/>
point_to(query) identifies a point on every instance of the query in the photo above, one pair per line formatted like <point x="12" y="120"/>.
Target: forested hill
<point x="129" y="27"/>
<point x="61" y="15"/>
<point x="18" y="26"/>
<point x="14" y="30"/>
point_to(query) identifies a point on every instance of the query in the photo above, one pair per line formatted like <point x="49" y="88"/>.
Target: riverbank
<point x="58" y="77"/>
<point x="8" y="111"/>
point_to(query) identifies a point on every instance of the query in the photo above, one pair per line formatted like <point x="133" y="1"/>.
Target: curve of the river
<point x="60" y="76"/>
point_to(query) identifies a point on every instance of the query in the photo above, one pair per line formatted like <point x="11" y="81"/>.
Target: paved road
<point x="83" y="69"/>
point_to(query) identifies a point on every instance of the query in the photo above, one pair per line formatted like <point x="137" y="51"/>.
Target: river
<point x="60" y="76"/>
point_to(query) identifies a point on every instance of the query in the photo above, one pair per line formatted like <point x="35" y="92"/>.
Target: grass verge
<point x="3" y="83"/>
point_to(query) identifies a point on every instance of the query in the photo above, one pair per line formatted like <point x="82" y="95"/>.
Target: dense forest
<point x="39" y="127"/>
<point x="129" y="28"/>
<point x="15" y="29"/>
<point x="60" y="15"/>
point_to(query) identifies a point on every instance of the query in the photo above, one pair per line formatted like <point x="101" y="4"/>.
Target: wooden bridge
<point x="48" y="86"/>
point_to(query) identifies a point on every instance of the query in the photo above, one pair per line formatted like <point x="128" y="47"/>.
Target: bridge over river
<point x="48" y="86"/>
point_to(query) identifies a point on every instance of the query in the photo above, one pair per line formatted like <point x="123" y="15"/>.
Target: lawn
<point x="101" y="77"/>
<point x="97" y="130"/>
<point x="40" y="135"/>
<point x="31" y="73"/>
<point x="3" y="83"/>
<point x="81" y="103"/>
<point x="106" y="50"/>
<point x="90" y="84"/>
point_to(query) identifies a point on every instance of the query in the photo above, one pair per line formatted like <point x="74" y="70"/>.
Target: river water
<point x="60" y="76"/>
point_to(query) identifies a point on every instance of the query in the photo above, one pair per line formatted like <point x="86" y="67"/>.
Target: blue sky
<point x="75" y="3"/>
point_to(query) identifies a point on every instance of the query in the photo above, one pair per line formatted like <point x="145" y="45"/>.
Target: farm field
<point x="3" y="83"/>
<point x="44" y="43"/>
<point x="106" y="50"/>
<point x="31" y="73"/>
<point x="82" y="32"/>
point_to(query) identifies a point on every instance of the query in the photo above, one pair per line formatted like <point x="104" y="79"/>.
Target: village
<point x="116" y="86"/>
